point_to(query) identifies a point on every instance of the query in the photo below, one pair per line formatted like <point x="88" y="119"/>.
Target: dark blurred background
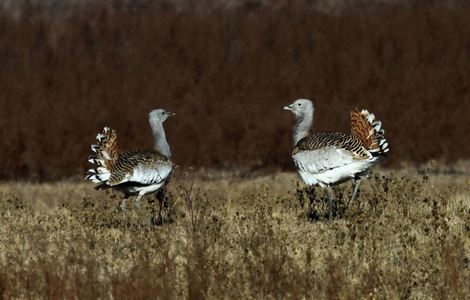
<point x="68" y="68"/>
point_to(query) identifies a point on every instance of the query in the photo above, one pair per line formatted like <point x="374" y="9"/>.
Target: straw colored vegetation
<point x="231" y="236"/>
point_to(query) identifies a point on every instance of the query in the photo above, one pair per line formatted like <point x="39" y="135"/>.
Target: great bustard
<point x="329" y="158"/>
<point x="133" y="172"/>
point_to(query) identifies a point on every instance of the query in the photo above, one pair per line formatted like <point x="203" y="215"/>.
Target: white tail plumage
<point x="366" y="128"/>
<point x="105" y="153"/>
<point x="378" y="132"/>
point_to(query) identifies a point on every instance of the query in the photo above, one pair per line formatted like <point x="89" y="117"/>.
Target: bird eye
<point x="163" y="113"/>
<point x="299" y="104"/>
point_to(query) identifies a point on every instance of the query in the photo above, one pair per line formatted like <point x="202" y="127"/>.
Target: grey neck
<point x="161" y="145"/>
<point x="302" y="126"/>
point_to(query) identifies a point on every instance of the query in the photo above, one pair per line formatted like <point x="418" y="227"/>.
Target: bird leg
<point x="122" y="205"/>
<point x="137" y="200"/>
<point x="331" y="197"/>
<point x="161" y="210"/>
<point x="161" y="199"/>
<point x="356" y="188"/>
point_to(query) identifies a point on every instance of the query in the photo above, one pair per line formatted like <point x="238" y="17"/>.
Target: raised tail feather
<point x="369" y="131"/>
<point x="105" y="154"/>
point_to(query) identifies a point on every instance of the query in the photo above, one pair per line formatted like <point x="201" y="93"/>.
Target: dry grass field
<point x="231" y="235"/>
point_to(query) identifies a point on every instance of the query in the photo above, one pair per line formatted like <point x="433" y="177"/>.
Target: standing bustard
<point x="329" y="158"/>
<point x="133" y="172"/>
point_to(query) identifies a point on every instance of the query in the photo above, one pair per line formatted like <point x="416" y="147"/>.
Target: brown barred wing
<point x="141" y="167"/>
<point x="343" y="141"/>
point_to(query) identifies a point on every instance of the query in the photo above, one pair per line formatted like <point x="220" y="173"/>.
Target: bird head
<point x="300" y="107"/>
<point x="160" y="115"/>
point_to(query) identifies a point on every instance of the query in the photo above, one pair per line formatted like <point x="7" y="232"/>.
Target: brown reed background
<point x="227" y="73"/>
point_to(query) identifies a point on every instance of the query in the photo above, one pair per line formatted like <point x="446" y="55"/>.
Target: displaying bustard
<point x="329" y="158"/>
<point x="133" y="172"/>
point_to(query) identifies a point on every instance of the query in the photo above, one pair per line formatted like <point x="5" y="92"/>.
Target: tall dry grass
<point x="407" y="237"/>
<point x="227" y="73"/>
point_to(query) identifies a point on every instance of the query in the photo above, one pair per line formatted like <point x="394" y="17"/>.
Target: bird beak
<point x="288" y="107"/>
<point x="170" y="113"/>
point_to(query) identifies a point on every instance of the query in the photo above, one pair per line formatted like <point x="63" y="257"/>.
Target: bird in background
<point x="132" y="172"/>
<point x="329" y="158"/>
